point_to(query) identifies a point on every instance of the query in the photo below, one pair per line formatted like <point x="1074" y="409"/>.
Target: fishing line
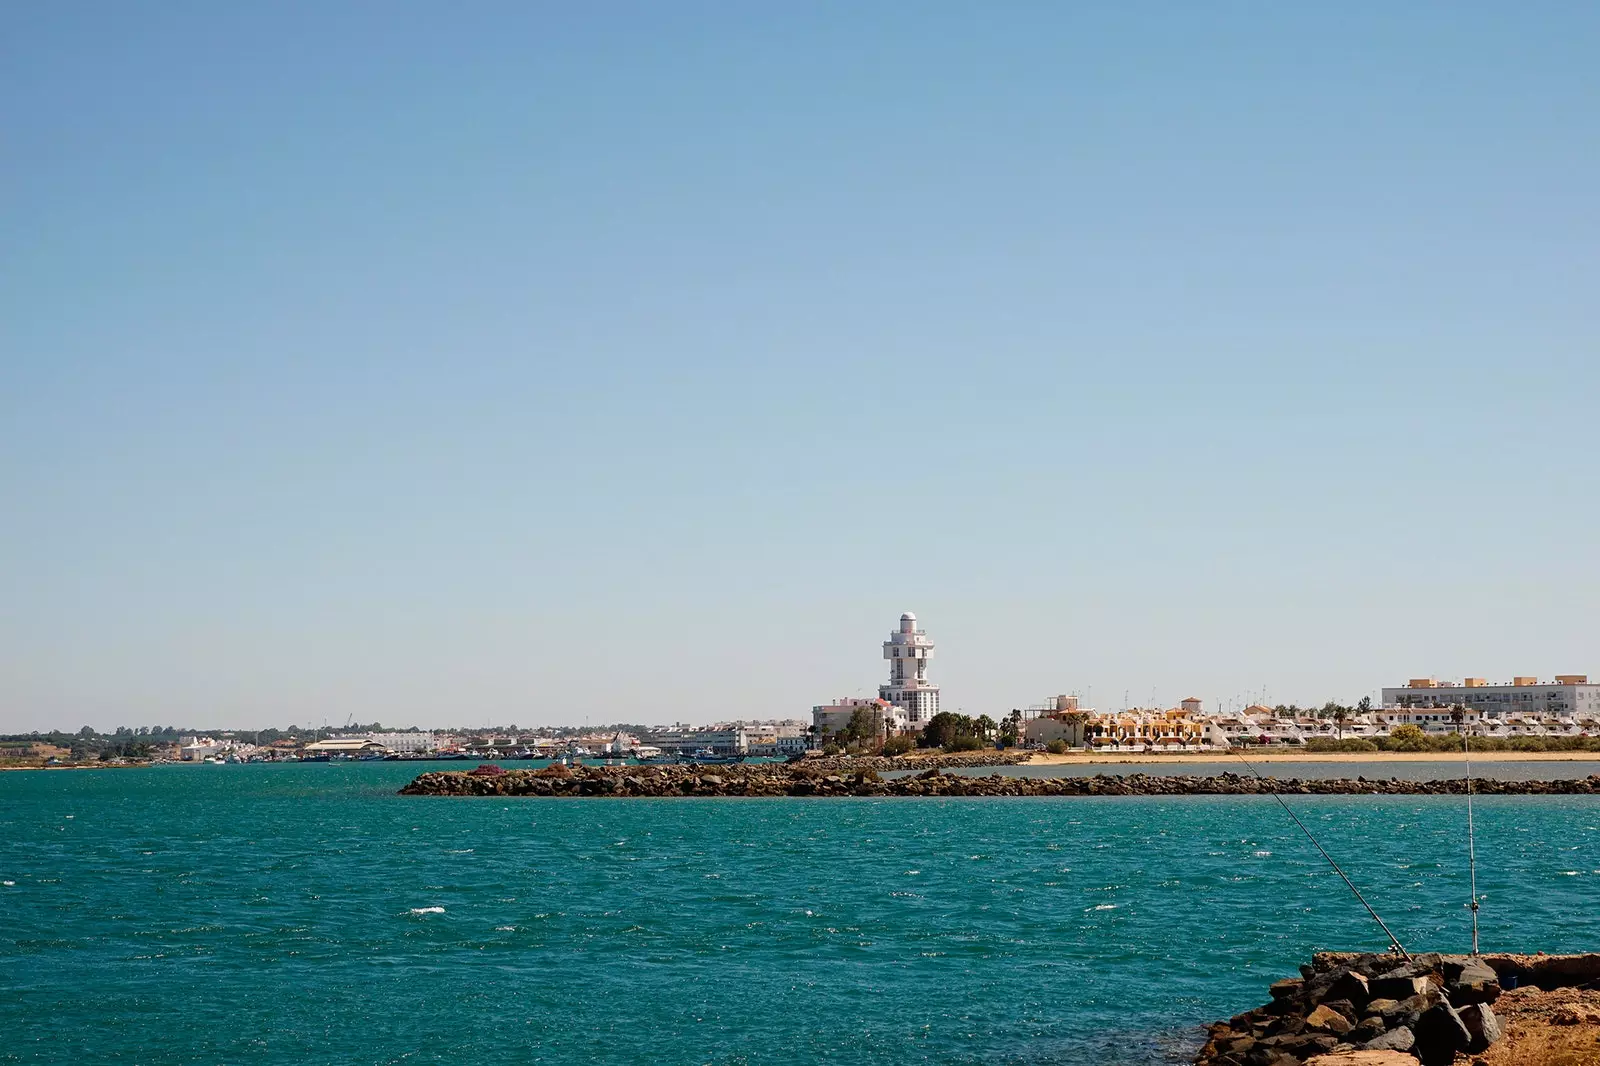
<point x="1472" y="847"/>
<point x="1399" y="949"/>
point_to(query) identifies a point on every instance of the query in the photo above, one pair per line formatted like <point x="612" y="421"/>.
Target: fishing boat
<point x="707" y="755"/>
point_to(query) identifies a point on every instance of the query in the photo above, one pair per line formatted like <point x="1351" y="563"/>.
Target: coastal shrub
<point x="898" y="745"/>
<point x="1407" y="738"/>
<point x="963" y="743"/>
<point x="830" y="749"/>
<point x="1329" y="744"/>
<point x="1056" y="747"/>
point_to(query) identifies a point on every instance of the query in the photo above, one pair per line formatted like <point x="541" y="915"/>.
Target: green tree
<point x="865" y="726"/>
<point x="1341" y="715"/>
<point x="941" y="729"/>
<point x="946" y="729"/>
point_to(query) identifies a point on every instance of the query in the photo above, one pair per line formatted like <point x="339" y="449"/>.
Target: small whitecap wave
<point x="1262" y="854"/>
<point x="1104" y="907"/>
<point x="427" y="910"/>
<point x="505" y="929"/>
<point x="7" y="884"/>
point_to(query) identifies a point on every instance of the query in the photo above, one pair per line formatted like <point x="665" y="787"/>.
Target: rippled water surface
<point x="307" y="914"/>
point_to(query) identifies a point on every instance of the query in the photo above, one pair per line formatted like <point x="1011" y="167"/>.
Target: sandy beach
<point x="1203" y="757"/>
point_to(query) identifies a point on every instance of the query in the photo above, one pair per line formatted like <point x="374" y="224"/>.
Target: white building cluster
<point x="1569" y="705"/>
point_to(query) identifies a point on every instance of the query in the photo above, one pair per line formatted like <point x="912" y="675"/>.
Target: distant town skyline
<point x="639" y="361"/>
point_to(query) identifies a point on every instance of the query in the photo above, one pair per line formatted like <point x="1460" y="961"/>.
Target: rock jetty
<point x="806" y="779"/>
<point x="941" y="761"/>
<point x="1382" y="1010"/>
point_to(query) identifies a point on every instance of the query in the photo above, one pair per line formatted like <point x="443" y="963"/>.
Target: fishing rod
<point x="1398" y="947"/>
<point x="1472" y="847"/>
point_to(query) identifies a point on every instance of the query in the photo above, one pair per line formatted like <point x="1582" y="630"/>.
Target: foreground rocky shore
<point x="1383" y="1010"/>
<point x="807" y="779"/>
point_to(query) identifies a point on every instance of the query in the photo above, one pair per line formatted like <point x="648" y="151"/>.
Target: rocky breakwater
<point x="940" y="761"/>
<point x="806" y="779"/>
<point x="1385" y="1010"/>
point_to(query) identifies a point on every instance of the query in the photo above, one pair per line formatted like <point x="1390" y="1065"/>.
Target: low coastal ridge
<point x="807" y="779"/>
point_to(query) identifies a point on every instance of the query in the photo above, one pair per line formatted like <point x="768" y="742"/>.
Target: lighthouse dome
<point x="908" y="617"/>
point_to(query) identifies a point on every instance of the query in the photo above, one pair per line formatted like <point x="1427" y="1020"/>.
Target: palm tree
<point x="1458" y="714"/>
<point x="1341" y="715"/>
<point x="986" y="726"/>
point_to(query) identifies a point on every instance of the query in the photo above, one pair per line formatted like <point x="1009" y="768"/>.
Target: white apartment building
<point x="718" y="739"/>
<point x="403" y="742"/>
<point x="908" y="650"/>
<point x="1430" y="719"/>
<point x="1568" y="697"/>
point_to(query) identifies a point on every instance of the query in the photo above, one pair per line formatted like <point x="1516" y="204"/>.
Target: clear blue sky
<point x="451" y="363"/>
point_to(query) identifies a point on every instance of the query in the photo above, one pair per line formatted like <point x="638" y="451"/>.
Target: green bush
<point x="1407" y="738"/>
<point x="963" y="743"/>
<point x="898" y="745"/>
<point x="1056" y="747"/>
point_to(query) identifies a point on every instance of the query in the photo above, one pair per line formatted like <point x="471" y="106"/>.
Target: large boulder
<point x="1401" y="983"/>
<point x="1440" y="1033"/>
<point x="1401" y="1039"/>
<point x="1483" y="1027"/>
<point x="1328" y="1020"/>
<point x="1288" y="988"/>
<point x="1470" y="981"/>
<point x="1384" y="1008"/>
<point x="1351" y="985"/>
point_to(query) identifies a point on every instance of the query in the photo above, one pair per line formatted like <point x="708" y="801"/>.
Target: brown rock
<point x="1288" y="988"/>
<point x="1328" y="1020"/>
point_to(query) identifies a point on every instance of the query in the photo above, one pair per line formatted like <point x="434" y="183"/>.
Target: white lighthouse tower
<point x="908" y="650"/>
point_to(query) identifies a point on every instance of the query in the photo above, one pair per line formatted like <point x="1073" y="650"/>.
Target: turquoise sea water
<point x="288" y="914"/>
